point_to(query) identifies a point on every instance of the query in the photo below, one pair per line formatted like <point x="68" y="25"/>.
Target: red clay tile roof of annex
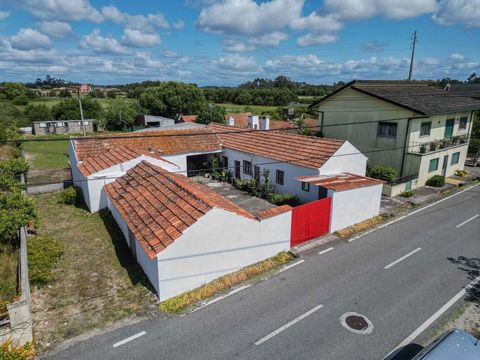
<point x="161" y="142"/>
<point x="341" y="182"/>
<point x="189" y="118"/>
<point x="159" y="206"/>
<point x="239" y="119"/>
<point x="307" y="151"/>
<point x="113" y="156"/>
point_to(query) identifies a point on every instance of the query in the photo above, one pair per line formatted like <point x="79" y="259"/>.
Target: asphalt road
<point x="396" y="276"/>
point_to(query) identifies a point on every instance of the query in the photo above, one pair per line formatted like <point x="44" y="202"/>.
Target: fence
<point x="18" y="327"/>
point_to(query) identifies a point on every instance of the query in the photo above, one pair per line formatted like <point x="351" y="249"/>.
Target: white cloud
<point x="271" y="39"/>
<point x="456" y="57"/>
<point x="231" y="45"/>
<point x="55" y="28"/>
<point x="237" y="63"/>
<point x="136" y="38"/>
<point x="466" y="12"/>
<point x="314" y="21"/>
<point x="4" y="15"/>
<point x="62" y="10"/>
<point x="366" y="9"/>
<point x="27" y="39"/>
<point x="248" y="17"/>
<point x="178" y="24"/>
<point x="251" y="44"/>
<point x="147" y="22"/>
<point x="316" y="39"/>
<point x="99" y="44"/>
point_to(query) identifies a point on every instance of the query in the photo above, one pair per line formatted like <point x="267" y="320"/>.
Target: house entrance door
<point x="445" y="164"/>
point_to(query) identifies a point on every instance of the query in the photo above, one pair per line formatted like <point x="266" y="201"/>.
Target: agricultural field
<point x="257" y="109"/>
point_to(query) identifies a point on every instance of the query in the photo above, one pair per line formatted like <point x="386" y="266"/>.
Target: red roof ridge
<point x="265" y="214"/>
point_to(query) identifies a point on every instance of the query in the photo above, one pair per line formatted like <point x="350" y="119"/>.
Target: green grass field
<point x="243" y="108"/>
<point x="46" y="155"/>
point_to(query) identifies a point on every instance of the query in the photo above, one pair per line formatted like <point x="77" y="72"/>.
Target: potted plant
<point x="463" y="140"/>
<point x="423" y="149"/>
<point x="455" y="140"/>
<point x="443" y="143"/>
<point x="433" y="146"/>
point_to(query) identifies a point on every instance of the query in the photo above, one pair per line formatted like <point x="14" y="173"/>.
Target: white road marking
<point x="213" y="301"/>
<point x="410" y="214"/>
<point x="402" y="258"/>
<point x="468" y="220"/>
<point x="286" y="326"/>
<point x="291" y="266"/>
<point x="133" y="337"/>
<point x="435" y="316"/>
<point x="325" y="251"/>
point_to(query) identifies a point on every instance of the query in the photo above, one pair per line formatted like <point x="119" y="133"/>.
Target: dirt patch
<point x="96" y="281"/>
<point x="360" y="227"/>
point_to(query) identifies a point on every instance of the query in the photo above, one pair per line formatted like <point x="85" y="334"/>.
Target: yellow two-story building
<point x="414" y="127"/>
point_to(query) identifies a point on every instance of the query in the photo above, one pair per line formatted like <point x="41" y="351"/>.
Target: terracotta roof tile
<point x="340" y="182"/>
<point x="240" y="119"/>
<point x="308" y="151"/>
<point x="265" y="214"/>
<point x="188" y="118"/>
<point x="159" y="206"/>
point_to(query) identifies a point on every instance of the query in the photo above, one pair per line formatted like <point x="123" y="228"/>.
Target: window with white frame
<point x="425" y="128"/>
<point x="387" y="129"/>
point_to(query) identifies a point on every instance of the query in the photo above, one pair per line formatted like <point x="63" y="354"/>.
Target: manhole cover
<point x="356" y="323"/>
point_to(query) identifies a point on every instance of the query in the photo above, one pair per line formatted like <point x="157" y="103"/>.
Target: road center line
<point x="291" y="266"/>
<point x="286" y="326"/>
<point x="325" y="251"/>
<point x="467" y="221"/>
<point x="133" y="337"/>
<point x="402" y="258"/>
<point x="435" y="316"/>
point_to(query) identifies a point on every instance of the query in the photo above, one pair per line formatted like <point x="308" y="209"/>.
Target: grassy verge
<point x="360" y="227"/>
<point x="46" y="155"/>
<point x="94" y="283"/>
<point x="182" y="301"/>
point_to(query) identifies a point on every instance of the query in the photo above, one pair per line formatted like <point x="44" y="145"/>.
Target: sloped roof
<point x="308" y="151"/>
<point x="113" y="156"/>
<point x="240" y="119"/>
<point x="340" y="182"/>
<point x="418" y="96"/>
<point x="162" y="142"/>
<point x="470" y="90"/>
<point x="159" y="206"/>
<point x="189" y="118"/>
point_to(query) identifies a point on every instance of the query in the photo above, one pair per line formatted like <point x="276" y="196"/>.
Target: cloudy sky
<point x="226" y="42"/>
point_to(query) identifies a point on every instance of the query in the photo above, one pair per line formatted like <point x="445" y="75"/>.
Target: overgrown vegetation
<point x="407" y="194"/>
<point x="385" y="173"/>
<point x="180" y="302"/>
<point x="285" y="199"/>
<point x="10" y="351"/>
<point x="70" y="196"/>
<point x="436" y="181"/>
<point x="43" y="253"/>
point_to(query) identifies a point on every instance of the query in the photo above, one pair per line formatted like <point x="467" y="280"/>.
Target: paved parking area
<point x="250" y="203"/>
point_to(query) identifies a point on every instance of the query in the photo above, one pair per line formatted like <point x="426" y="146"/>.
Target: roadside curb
<point x="314" y="243"/>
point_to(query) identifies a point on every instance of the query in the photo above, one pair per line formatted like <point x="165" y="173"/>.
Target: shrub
<point x="20" y="100"/>
<point x="285" y="199"/>
<point x="69" y="196"/>
<point x="14" y="167"/>
<point x="9" y="351"/>
<point x="407" y="193"/>
<point x="43" y="254"/>
<point x="436" y="181"/>
<point x="385" y="173"/>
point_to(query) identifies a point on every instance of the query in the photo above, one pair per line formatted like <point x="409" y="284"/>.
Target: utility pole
<point x="414" y="42"/>
<point x="81" y="112"/>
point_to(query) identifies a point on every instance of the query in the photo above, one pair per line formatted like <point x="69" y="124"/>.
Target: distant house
<point x="62" y="127"/>
<point x="153" y="121"/>
<point x="247" y="120"/>
<point x="85" y="88"/>
<point x="187" y="119"/>
<point x="418" y="129"/>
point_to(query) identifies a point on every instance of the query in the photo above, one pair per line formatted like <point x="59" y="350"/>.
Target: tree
<point x="171" y="99"/>
<point x="120" y="112"/>
<point x="69" y="109"/>
<point x="13" y="90"/>
<point x="211" y="113"/>
<point x="21" y="100"/>
<point x="40" y="112"/>
<point x="112" y="94"/>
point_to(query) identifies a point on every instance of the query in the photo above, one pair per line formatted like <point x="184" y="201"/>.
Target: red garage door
<point x="310" y="220"/>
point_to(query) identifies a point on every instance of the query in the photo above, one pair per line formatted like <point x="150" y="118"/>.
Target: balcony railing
<point x="435" y="145"/>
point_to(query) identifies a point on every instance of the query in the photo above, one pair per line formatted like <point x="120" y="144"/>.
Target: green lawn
<point x="252" y="108"/>
<point x="46" y="155"/>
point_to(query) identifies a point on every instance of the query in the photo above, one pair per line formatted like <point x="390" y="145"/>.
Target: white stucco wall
<point x="346" y="159"/>
<point x="206" y="251"/>
<point x="353" y="206"/>
<point x="290" y="185"/>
